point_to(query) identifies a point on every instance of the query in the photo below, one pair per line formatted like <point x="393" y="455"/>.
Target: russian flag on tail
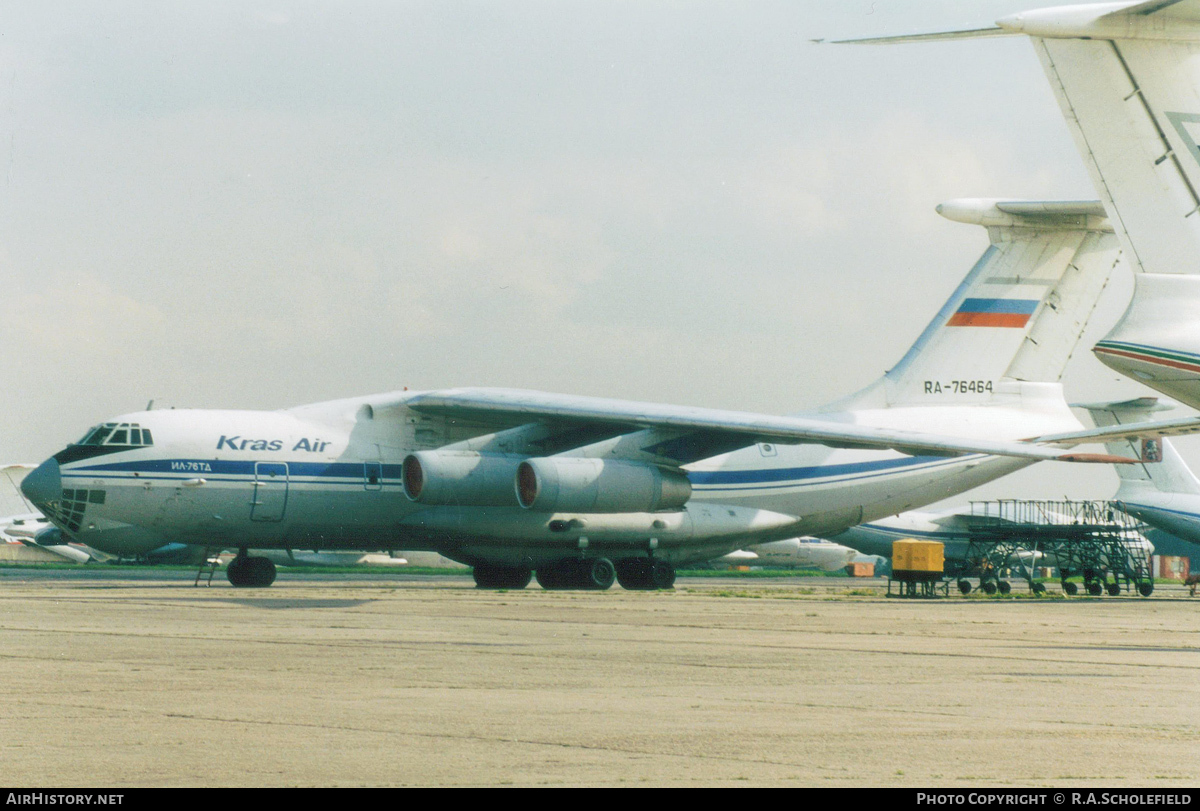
<point x="994" y="312"/>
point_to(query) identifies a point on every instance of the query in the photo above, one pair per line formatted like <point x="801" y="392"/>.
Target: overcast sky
<point x="260" y="204"/>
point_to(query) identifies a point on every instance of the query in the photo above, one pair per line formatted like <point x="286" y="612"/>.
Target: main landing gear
<point x="502" y="577"/>
<point x="641" y="574"/>
<point x="245" y="571"/>
<point x="594" y="574"/>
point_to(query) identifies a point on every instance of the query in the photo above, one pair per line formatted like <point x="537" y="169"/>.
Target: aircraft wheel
<point x="988" y="586"/>
<point x="964" y="586"/>
<point x="1146" y="588"/>
<point x="1114" y="589"/>
<point x="236" y="572"/>
<point x="245" y="571"/>
<point x="634" y="574"/>
<point x="662" y="575"/>
<point x="1070" y="589"/>
<point x="598" y="573"/>
<point x="264" y="572"/>
<point x="502" y="577"/>
<point x="552" y="576"/>
<point x="1004" y="586"/>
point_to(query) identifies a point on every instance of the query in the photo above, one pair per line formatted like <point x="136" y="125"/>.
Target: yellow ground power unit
<point x="917" y="568"/>
<point x="924" y="557"/>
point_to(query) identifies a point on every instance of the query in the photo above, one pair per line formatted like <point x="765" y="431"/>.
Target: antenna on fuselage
<point x="150" y="405"/>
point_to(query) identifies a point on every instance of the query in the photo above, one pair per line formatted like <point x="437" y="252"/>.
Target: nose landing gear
<point x="245" y="571"/>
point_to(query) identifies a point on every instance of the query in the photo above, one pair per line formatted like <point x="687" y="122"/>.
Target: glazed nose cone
<point x="44" y="484"/>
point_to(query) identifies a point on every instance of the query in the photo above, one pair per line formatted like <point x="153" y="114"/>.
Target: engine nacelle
<point x="576" y="484"/>
<point x="460" y="477"/>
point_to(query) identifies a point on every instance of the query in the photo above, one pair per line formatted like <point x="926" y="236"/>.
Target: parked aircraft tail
<point x="1162" y="467"/>
<point x="1127" y="79"/>
<point x="12" y="500"/>
<point x="1017" y="316"/>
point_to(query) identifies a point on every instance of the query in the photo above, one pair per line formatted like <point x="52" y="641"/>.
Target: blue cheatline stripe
<point x="766" y="476"/>
<point x="1131" y="506"/>
<point x="914" y="532"/>
<point x="226" y="470"/>
<point x="342" y="470"/>
<point x="1006" y="306"/>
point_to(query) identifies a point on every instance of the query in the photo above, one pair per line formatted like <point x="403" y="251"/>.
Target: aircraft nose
<point x="44" y="483"/>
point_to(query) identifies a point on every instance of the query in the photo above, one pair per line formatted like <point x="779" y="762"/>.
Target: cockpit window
<point x="124" y="434"/>
<point x="96" y="435"/>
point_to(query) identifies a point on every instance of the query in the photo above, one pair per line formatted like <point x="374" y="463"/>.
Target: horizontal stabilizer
<point x="934" y="36"/>
<point x="1087" y="215"/>
<point x="1163" y="469"/>
<point x="1138" y="404"/>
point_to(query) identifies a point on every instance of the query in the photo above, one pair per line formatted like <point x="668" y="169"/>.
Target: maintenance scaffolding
<point x="1093" y="540"/>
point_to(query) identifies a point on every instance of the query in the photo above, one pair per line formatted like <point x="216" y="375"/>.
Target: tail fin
<point x="12" y="500"/>
<point x="1169" y="475"/>
<point x="1133" y="105"/>
<point x="1128" y="92"/>
<point x="1019" y="313"/>
<point x="1127" y="78"/>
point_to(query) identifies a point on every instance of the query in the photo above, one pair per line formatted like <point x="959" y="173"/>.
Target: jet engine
<point x="460" y="477"/>
<point x="575" y="484"/>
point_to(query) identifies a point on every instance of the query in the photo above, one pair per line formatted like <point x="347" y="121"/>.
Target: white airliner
<point x="794" y="553"/>
<point x="1127" y="78"/>
<point x="1162" y="490"/>
<point x="581" y="489"/>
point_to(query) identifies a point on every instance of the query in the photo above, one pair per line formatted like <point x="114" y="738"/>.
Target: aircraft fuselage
<point x="330" y="476"/>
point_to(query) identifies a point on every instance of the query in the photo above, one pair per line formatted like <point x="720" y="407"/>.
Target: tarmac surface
<point x="120" y="679"/>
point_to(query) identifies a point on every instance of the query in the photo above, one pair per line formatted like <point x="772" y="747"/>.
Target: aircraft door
<point x="270" y="491"/>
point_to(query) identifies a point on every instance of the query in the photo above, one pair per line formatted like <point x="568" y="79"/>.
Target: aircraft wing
<point x="730" y="428"/>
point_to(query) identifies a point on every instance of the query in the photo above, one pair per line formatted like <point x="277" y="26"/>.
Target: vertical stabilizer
<point x="1133" y="110"/>
<point x="1019" y="313"/>
<point x="12" y="500"/>
<point x="1127" y="79"/>
<point x="1170" y="475"/>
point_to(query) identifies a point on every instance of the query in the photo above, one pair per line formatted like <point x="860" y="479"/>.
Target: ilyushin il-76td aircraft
<point x="584" y="490"/>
